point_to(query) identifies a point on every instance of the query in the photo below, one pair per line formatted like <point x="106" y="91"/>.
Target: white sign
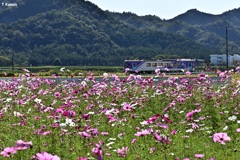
<point x="9" y="4"/>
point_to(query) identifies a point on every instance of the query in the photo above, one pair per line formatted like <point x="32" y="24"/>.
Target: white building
<point x="221" y="60"/>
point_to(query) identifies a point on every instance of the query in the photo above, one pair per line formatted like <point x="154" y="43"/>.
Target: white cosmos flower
<point x="9" y="99"/>
<point x="232" y="118"/>
<point x="62" y="69"/>
<point x="108" y="144"/>
<point x="111" y="139"/>
<point x="16" y="113"/>
<point x="29" y="110"/>
<point x="68" y="122"/>
<point x="225" y="128"/>
<point x="109" y="111"/>
<point x="72" y="124"/>
<point x="37" y="100"/>
<point x="83" y="83"/>
<point x="189" y="130"/>
<point x="105" y="75"/>
<point x="4" y="109"/>
<point x="63" y="125"/>
<point x="144" y="123"/>
<point x="19" y="87"/>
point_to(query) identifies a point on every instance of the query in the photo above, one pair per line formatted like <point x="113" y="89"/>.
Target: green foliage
<point x="74" y="32"/>
<point x="4" y="61"/>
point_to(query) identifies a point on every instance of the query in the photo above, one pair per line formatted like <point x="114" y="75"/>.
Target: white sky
<point x="166" y="9"/>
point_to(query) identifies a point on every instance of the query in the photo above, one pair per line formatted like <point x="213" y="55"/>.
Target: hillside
<point x="77" y="32"/>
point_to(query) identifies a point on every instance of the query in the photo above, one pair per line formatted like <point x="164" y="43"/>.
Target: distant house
<point x="219" y="60"/>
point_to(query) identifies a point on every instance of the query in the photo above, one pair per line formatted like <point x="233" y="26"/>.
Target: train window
<point x="159" y="64"/>
<point x="154" y="64"/>
<point x="126" y="65"/>
<point x="134" y="64"/>
<point x="148" y="65"/>
<point x="164" y="64"/>
<point x="189" y="64"/>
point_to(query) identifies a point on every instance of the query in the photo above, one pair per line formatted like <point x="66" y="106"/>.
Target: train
<point x="165" y="65"/>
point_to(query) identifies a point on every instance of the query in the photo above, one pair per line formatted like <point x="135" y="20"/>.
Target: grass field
<point x="69" y="70"/>
<point x="178" y="118"/>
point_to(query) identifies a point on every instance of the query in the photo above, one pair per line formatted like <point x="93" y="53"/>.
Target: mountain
<point x="77" y="32"/>
<point x="206" y="29"/>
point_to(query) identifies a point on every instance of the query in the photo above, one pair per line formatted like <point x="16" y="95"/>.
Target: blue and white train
<point x="165" y="65"/>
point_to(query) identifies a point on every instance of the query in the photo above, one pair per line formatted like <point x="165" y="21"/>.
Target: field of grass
<point x="68" y="70"/>
<point x="134" y="118"/>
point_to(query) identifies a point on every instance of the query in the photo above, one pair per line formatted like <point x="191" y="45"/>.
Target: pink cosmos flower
<point x="166" y="69"/>
<point x="84" y="134"/>
<point x="164" y="126"/>
<point x="191" y="113"/>
<point x="163" y="139"/>
<point x="46" y="133"/>
<point x="173" y="131"/>
<point x="157" y="137"/>
<point x="46" y="156"/>
<point x="127" y="107"/>
<point x="163" y="74"/>
<point x="21" y="145"/>
<point x="221" y="138"/>
<point x="104" y="133"/>
<point x="153" y="118"/>
<point x="122" y="151"/>
<point x="8" y="151"/>
<point x="133" y="140"/>
<point x="222" y="74"/>
<point x="26" y="70"/>
<point x="157" y="71"/>
<point x="126" y="70"/>
<point x="57" y="94"/>
<point x="152" y="150"/>
<point x="82" y="158"/>
<point x="238" y="130"/>
<point x="142" y="133"/>
<point x="188" y="73"/>
<point x="199" y="155"/>
<point x="98" y="150"/>
<point x="166" y="119"/>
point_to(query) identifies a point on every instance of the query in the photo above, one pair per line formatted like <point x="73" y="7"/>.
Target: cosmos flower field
<point x="135" y="118"/>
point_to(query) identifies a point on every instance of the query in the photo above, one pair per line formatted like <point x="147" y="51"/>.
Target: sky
<point x="167" y="9"/>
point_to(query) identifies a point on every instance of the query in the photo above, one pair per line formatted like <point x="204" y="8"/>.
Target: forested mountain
<point x="77" y="32"/>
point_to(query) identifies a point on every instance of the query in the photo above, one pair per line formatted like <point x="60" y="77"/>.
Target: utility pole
<point x="227" y="47"/>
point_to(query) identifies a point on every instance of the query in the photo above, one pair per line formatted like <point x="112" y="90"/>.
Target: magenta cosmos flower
<point x="221" y="138"/>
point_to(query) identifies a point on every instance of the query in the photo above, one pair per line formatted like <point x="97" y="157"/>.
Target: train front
<point x="131" y="66"/>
